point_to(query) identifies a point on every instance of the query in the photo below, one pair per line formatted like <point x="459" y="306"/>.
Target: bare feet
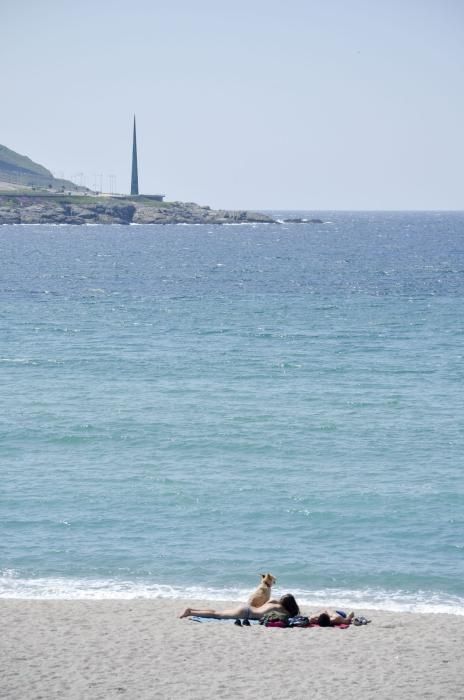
<point x="349" y="618"/>
<point x="187" y="612"/>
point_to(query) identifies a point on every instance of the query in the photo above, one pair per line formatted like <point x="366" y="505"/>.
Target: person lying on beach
<point x="326" y="619"/>
<point x="287" y="605"/>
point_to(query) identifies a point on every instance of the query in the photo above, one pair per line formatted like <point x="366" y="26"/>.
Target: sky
<point x="264" y="104"/>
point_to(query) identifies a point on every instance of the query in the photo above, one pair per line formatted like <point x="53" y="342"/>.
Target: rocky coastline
<point x="78" y="210"/>
<point x="30" y="194"/>
<point x="89" y="209"/>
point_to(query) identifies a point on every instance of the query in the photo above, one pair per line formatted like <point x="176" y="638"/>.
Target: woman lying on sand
<point x="326" y="619"/>
<point x="287" y="604"/>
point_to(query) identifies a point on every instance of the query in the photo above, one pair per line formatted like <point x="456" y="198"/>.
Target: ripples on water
<point x="187" y="406"/>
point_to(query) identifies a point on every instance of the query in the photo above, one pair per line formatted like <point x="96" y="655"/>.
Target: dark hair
<point x="324" y="620"/>
<point x="289" y="603"/>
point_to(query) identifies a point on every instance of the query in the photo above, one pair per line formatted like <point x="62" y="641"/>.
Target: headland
<point x="81" y="208"/>
<point x="30" y="194"/>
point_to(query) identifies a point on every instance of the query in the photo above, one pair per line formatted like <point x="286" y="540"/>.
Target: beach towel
<point x="195" y="618"/>
<point x="282" y="624"/>
<point x="276" y="623"/>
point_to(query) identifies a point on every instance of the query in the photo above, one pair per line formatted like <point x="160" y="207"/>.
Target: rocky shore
<point x="60" y="209"/>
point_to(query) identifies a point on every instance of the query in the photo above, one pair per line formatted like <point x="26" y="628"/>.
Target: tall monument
<point x="135" y="174"/>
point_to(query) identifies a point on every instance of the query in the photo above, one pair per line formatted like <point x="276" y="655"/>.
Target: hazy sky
<point x="304" y="104"/>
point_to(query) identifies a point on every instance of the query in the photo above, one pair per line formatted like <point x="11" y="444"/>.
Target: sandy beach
<point x="140" y="649"/>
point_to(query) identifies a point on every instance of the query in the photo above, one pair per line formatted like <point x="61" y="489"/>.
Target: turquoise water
<point x="183" y="407"/>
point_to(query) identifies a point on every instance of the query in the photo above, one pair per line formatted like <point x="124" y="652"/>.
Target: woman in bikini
<point x="287" y="604"/>
<point x="333" y="619"/>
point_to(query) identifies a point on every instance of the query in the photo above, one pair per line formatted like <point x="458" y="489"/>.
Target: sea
<point x="185" y="407"/>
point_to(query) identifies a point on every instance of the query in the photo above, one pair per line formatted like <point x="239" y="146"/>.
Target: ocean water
<point x="184" y="407"/>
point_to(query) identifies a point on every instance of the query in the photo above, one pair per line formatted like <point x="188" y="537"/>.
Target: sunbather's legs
<point x="199" y="613"/>
<point x="216" y="614"/>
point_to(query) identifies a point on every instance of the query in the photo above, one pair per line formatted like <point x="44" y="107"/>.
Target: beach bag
<point x="275" y="619"/>
<point x="298" y="621"/>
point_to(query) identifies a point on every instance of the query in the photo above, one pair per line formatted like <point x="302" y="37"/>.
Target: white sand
<point x="139" y="649"/>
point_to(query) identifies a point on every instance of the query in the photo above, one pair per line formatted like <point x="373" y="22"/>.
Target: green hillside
<point x="21" y="171"/>
<point x="9" y="160"/>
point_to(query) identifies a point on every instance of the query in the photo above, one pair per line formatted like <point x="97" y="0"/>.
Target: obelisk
<point x="135" y="174"/>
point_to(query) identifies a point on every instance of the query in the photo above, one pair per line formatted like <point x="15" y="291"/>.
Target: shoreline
<point x="57" y="589"/>
<point x="140" y="649"/>
<point x="55" y="208"/>
<point x="217" y="598"/>
<point x="85" y="209"/>
<point x="368" y="608"/>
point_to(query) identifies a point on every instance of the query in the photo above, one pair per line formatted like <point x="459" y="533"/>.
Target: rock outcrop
<point x="191" y="213"/>
<point x="56" y="209"/>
